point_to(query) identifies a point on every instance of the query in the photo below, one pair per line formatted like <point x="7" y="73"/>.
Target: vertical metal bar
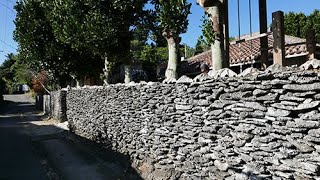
<point x="239" y="34"/>
<point x="239" y="28"/>
<point x="250" y="18"/>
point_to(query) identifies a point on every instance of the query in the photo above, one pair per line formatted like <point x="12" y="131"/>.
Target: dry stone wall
<point x="266" y="126"/>
<point x="58" y="105"/>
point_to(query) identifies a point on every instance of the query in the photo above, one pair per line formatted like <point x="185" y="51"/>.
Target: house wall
<point x="257" y="127"/>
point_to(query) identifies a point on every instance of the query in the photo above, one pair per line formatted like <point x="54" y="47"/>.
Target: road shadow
<point x="10" y="107"/>
<point x="62" y="151"/>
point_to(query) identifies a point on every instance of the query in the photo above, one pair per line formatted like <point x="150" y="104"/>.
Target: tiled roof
<point x="250" y="50"/>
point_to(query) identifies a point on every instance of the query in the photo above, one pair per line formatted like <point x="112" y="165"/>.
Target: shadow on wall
<point x="115" y="166"/>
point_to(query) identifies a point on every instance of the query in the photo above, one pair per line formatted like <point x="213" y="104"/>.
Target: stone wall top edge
<point x="263" y="76"/>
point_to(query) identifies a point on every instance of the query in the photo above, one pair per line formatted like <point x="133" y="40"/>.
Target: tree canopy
<point x="173" y="16"/>
<point x="298" y="24"/>
<point x="40" y="47"/>
<point x="68" y="38"/>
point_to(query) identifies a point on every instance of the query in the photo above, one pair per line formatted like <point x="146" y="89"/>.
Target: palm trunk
<point x="171" y="72"/>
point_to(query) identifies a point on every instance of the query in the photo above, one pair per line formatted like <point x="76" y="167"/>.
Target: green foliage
<point x="298" y="24"/>
<point x="187" y="51"/>
<point x="172" y="16"/>
<point x="13" y="72"/>
<point x="202" y="45"/>
<point x="207" y="31"/>
<point x="295" y="24"/>
<point x="314" y="22"/>
<point x="41" y="49"/>
<point x="69" y="37"/>
<point x="7" y="74"/>
<point x="102" y="27"/>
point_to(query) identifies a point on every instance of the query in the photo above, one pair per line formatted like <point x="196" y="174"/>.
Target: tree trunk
<point x="127" y="73"/>
<point x="171" y="72"/>
<point x="106" y="70"/>
<point x="218" y="56"/>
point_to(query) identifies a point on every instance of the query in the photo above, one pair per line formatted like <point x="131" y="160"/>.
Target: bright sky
<point x="7" y="16"/>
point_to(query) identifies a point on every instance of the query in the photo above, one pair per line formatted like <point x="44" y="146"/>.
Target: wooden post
<point x="311" y="44"/>
<point x="278" y="38"/>
<point x="263" y="29"/>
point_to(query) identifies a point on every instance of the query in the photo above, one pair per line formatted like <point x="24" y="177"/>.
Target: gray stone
<point x="241" y="109"/>
<point x="303" y="87"/>
<point x="215" y="94"/>
<point x="307" y="106"/>
<point x="183" y="107"/>
<point x="277" y="112"/>
<point x="235" y="95"/>
<point x="282" y="106"/>
<point x="312" y="168"/>
<point x="203" y="102"/>
<point x="307" y="80"/>
<point x="284" y="175"/>
<point x="303" y="124"/>
<point x="184" y="80"/>
<point x="290" y="97"/>
<point x="221" y="166"/>
<point x="312" y="139"/>
<point x="253" y="168"/>
<point x="259" y="92"/>
<point x="279" y="91"/>
<point x="268" y="97"/>
<point x="317" y="96"/>
<point x="314" y="133"/>
<point x="215" y="112"/>
<point x="301" y="146"/>
<point x="312" y="115"/>
<point x="276" y="82"/>
<point x="304" y="94"/>
<point x="252" y="105"/>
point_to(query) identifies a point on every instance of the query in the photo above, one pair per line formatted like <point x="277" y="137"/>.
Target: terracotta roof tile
<point x="247" y="51"/>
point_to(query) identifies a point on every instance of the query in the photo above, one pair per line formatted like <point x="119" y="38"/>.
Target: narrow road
<point x="17" y="160"/>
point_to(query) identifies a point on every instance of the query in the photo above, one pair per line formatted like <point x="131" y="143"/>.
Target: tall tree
<point x="173" y="20"/>
<point x="41" y="49"/>
<point x="103" y="27"/>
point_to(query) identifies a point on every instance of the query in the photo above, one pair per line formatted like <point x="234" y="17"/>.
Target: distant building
<point x="247" y="54"/>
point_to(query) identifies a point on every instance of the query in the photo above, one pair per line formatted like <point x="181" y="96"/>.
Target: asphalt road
<point x="17" y="160"/>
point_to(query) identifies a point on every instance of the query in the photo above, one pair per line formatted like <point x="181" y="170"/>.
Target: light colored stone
<point x="277" y="112"/>
<point x="221" y="166"/>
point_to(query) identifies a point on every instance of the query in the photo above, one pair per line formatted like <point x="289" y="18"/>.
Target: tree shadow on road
<point x="93" y="156"/>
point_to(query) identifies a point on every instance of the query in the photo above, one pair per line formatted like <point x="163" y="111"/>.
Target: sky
<point x="7" y="16"/>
